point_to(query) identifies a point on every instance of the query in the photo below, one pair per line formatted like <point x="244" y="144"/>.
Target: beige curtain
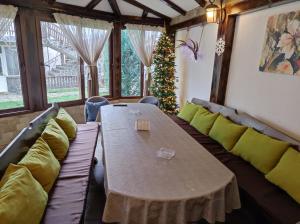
<point x="88" y="37"/>
<point x="144" y="39"/>
<point x="7" y="17"/>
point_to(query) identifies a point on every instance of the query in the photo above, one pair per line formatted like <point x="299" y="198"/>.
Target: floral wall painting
<point x="281" y="50"/>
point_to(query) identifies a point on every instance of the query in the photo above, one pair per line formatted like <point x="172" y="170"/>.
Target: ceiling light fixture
<point x="214" y="14"/>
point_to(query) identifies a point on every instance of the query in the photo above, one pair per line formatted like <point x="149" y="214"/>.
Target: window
<point x="130" y="68"/>
<point x="11" y="95"/>
<point x="103" y="72"/>
<point x="62" y="65"/>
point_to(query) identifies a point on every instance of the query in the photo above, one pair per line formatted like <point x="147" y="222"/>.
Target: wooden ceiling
<point x="155" y="8"/>
<point x="154" y="12"/>
<point x="149" y="12"/>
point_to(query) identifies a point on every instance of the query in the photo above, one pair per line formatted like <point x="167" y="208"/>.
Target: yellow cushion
<point x="22" y="198"/>
<point x="67" y="123"/>
<point x="203" y="121"/>
<point x="286" y="173"/>
<point x="189" y="110"/>
<point x="262" y="151"/>
<point x="226" y="132"/>
<point x="56" y="139"/>
<point x="42" y="164"/>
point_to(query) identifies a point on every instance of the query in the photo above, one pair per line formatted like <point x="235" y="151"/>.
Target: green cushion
<point x="226" y="132"/>
<point x="42" y="164"/>
<point x="56" y="139"/>
<point x="22" y="198"/>
<point x="67" y="123"/>
<point x="286" y="173"/>
<point x="262" y="151"/>
<point x="203" y="121"/>
<point x="189" y="110"/>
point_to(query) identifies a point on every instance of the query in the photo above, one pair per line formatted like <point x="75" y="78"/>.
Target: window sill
<point x="69" y="103"/>
<point x="14" y="112"/>
<point x="21" y="111"/>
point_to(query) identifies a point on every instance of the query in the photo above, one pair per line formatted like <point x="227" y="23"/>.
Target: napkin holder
<point x="142" y="125"/>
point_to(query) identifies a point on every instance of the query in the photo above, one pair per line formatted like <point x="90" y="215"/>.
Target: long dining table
<point x="142" y="187"/>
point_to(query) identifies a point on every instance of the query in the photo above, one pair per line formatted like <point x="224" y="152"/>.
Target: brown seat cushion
<point x="273" y="204"/>
<point x="67" y="200"/>
<point x="276" y="205"/>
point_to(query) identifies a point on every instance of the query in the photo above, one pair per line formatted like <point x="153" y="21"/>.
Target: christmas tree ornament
<point x="220" y="46"/>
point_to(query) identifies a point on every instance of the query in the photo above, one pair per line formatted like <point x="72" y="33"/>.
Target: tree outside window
<point x="131" y="68"/>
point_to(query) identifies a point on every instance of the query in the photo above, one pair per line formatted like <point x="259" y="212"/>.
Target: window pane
<point x="130" y="69"/>
<point x="103" y="72"/>
<point x="10" y="80"/>
<point x="62" y="65"/>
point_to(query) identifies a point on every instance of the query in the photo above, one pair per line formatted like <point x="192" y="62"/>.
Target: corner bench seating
<point x="262" y="202"/>
<point x="67" y="198"/>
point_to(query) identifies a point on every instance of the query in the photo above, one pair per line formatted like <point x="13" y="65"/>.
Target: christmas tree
<point x="163" y="86"/>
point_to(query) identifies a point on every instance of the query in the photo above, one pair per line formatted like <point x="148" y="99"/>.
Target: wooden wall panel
<point x="226" y="30"/>
<point x="222" y="63"/>
<point x="31" y="59"/>
<point x="117" y="59"/>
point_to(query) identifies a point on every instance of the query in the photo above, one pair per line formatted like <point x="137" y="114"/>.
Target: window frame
<point x="46" y="104"/>
<point x="50" y="18"/>
<point x="32" y="72"/>
<point x="23" y="74"/>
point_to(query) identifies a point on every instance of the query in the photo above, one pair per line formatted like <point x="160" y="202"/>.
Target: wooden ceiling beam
<point x="234" y="9"/>
<point x="51" y="1"/>
<point x="143" y="7"/>
<point x="142" y="21"/>
<point x="175" y="7"/>
<point x="245" y="6"/>
<point x="202" y="3"/>
<point x="145" y="13"/>
<point x="92" y="4"/>
<point x="58" y="7"/>
<point x="114" y="6"/>
<point x="81" y="11"/>
<point x="188" y="23"/>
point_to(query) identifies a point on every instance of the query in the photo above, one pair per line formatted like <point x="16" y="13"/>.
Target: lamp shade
<point x="212" y="13"/>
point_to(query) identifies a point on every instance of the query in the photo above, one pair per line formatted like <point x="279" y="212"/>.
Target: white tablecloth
<point x="142" y="188"/>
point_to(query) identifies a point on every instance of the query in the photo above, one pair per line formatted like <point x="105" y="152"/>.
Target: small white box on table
<point x="142" y="125"/>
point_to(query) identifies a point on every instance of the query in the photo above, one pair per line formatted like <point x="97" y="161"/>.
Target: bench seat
<point x="262" y="202"/>
<point x="67" y="200"/>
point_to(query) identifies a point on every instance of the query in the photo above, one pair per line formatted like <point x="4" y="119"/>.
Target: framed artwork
<point x="281" y="50"/>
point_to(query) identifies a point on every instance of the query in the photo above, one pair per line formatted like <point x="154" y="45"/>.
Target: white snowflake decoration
<point x="220" y="47"/>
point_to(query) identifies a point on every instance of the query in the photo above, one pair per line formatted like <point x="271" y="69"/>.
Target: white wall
<point x="195" y="77"/>
<point x="273" y="98"/>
